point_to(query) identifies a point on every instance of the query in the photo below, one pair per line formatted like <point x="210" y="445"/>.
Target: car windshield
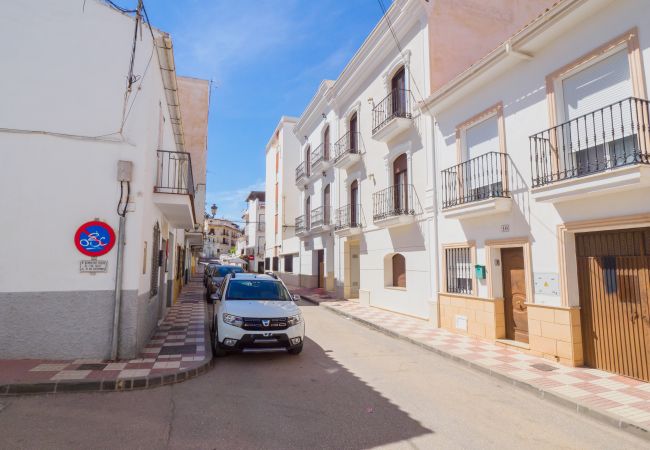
<point x="257" y="290"/>
<point x="222" y="271"/>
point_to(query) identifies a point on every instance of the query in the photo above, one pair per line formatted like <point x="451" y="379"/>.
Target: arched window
<point x="353" y="129"/>
<point x="399" y="270"/>
<point x="400" y="184"/>
<point x="308" y="160"/>
<point x="354" y="204"/>
<point x="326" y="144"/>
<point x="326" y="205"/>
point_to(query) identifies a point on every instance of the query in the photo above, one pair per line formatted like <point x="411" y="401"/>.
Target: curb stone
<point x="119" y="385"/>
<point x="579" y="408"/>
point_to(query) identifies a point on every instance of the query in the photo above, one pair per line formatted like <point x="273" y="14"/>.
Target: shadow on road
<point x="277" y="400"/>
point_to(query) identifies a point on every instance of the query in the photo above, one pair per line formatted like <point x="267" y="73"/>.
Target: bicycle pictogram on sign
<point x="94" y="238"/>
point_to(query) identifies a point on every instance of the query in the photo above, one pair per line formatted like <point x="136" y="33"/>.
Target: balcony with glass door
<point x="476" y="187"/>
<point x="348" y="220"/>
<point x="320" y="219"/>
<point x="302" y="225"/>
<point x="395" y="206"/>
<point x="346" y="150"/>
<point x="605" y="150"/>
<point x="392" y="115"/>
<point x="320" y="159"/>
<point x="174" y="188"/>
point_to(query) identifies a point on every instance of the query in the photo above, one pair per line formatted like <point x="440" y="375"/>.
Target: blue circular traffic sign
<point x="94" y="238"/>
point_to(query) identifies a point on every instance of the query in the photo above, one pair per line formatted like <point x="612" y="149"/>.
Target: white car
<point x="254" y="311"/>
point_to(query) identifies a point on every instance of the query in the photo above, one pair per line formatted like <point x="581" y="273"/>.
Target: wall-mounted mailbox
<point x="480" y="272"/>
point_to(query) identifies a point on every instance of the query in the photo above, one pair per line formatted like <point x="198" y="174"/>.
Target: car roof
<point x="254" y="276"/>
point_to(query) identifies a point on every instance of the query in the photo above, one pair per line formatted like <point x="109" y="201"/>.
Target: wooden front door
<point x="514" y="293"/>
<point x="400" y="183"/>
<point x="614" y="288"/>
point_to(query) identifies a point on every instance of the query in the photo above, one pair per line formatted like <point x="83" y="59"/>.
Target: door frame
<point x="494" y="244"/>
<point x="567" y="260"/>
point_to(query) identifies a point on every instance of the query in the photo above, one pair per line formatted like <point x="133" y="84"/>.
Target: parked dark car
<point x="216" y="278"/>
<point x="208" y="271"/>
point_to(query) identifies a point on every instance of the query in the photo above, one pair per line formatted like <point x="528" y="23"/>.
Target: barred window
<point x="288" y="263"/>
<point x="459" y="270"/>
<point x="155" y="263"/>
<point x="276" y="262"/>
<point x="267" y="263"/>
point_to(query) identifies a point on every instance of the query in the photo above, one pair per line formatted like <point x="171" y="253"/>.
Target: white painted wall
<point x="521" y="88"/>
<point x="56" y="103"/>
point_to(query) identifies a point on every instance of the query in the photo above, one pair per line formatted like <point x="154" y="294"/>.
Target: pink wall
<point x="463" y="31"/>
<point x="194" y="95"/>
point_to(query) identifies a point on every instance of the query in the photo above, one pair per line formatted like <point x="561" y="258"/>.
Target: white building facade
<point x="254" y="245"/>
<point x="64" y="140"/>
<point x="282" y="205"/>
<point x="542" y="154"/>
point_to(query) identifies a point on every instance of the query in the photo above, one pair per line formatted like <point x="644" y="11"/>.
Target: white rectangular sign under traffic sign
<point x="93" y="266"/>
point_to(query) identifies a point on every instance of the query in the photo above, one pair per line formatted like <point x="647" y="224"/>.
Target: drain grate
<point x="92" y="367"/>
<point x="543" y="367"/>
<point x="178" y="349"/>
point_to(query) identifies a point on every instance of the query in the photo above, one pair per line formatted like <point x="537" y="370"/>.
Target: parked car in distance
<point x="255" y="311"/>
<point x="216" y="278"/>
<point x="208" y="271"/>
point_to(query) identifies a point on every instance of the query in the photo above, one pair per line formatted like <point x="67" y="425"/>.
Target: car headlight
<point x="235" y="321"/>
<point x="294" y="320"/>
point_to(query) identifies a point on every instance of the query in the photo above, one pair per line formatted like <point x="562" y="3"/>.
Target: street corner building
<point x="88" y="136"/>
<point x="485" y="171"/>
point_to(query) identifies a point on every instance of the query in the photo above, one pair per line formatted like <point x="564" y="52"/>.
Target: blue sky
<point x="266" y="58"/>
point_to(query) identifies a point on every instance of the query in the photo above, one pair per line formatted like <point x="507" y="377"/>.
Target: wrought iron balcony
<point x="615" y="136"/>
<point x="396" y="105"/>
<point x="320" y="218"/>
<point x="302" y="225"/>
<point x="399" y="202"/>
<point x="301" y="171"/>
<point x="476" y="179"/>
<point x="346" y="150"/>
<point x="174" y="173"/>
<point x="348" y="219"/>
<point x="320" y="156"/>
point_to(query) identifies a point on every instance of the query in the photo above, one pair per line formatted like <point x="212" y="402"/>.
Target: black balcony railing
<point x="348" y="216"/>
<point x="614" y="136"/>
<point x="319" y="154"/>
<point x="320" y="216"/>
<point x="398" y="200"/>
<point x="349" y="143"/>
<point x="174" y="173"/>
<point x="300" y="171"/>
<point x="480" y="178"/>
<point x="396" y="104"/>
<point x="302" y="224"/>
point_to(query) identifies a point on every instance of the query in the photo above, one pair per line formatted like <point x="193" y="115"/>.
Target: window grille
<point x="459" y="270"/>
<point x="275" y="263"/>
<point x="288" y="263"/>
<point x="155" y="260"/>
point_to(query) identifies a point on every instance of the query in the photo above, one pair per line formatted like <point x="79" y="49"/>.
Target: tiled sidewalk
<point x="177" y="351"/>
<point x="619" y="400"/>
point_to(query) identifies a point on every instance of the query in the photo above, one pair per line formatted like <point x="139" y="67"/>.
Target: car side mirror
<point x="215" y="298"/>
<point x="296" y="297"/>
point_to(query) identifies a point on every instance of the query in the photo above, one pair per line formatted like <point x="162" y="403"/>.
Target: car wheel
<point x="217" y="351"/>
<point x="295" y="350"/>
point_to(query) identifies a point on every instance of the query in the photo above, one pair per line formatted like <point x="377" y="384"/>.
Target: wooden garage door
<point x="614" y="284"/>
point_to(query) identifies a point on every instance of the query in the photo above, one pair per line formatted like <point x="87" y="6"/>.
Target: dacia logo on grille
<point x="266" y="323"/>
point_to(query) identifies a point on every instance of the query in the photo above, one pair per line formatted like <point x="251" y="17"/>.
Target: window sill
<point x="395" y="288"/>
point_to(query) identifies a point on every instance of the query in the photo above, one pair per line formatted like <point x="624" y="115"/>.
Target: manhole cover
<point x="543" y="367"/>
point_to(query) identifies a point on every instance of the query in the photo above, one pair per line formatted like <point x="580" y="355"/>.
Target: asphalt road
<point x="350" y="388"/>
